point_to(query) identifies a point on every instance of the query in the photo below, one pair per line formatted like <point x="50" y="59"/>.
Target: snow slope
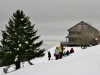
<point x="82" y="62"/>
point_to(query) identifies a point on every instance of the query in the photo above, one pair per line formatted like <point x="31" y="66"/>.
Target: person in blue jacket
<point x="56" y="53"/>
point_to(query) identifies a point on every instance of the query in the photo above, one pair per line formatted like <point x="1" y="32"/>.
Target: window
<point x="91" y="33"/>
<point x="85" y="33"/>
<point x="79" y="26"/>
<point x="84" y="26"/>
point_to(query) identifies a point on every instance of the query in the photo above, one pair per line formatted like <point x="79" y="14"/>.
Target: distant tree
<point x="84" y="41"/>
<point x="19" y="41"/>
<point x="84" y="38"/>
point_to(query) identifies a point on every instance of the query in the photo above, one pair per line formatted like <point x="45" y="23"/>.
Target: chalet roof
<point x="82" y="22"/>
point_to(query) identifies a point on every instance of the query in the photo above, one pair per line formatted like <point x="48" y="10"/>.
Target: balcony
<point x="69" y="43"/>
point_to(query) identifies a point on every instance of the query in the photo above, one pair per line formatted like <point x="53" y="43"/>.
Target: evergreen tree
<point x="19" y="41"/>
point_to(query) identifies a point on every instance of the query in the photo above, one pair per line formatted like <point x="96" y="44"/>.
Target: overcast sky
<point x="52" y="18"/>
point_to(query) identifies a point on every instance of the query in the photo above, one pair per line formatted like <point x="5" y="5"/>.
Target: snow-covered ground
<point x="82" y="62"/>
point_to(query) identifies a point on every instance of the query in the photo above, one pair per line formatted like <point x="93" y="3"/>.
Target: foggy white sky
<point x="52" y="18"/>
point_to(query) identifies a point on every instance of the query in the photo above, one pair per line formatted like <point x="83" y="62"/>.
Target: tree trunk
<point x="17" y="64"/>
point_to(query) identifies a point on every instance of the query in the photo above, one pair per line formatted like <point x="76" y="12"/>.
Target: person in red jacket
<point x="62" y="48"/>
<point x="71" y="50"/>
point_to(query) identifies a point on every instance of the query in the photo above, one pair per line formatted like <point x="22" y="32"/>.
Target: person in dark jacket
<point x="67" y="52"/>
<point x="71" y="50"/>
<point x="49" y="55"/>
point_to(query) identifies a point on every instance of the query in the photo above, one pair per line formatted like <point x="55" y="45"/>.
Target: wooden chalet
<point x="79" y="29"/>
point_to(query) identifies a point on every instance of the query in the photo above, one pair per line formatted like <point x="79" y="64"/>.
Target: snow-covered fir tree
<point x="19" y="40"/>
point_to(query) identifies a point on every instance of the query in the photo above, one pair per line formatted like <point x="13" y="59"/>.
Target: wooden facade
<point x="79" y="29"/>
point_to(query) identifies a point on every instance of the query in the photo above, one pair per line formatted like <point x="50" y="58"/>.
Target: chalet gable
<point x="78" y="26"/>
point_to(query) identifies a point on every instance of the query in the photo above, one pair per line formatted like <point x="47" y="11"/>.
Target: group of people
<point x="59" y="52"/>
<point x="68" y="52"/>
